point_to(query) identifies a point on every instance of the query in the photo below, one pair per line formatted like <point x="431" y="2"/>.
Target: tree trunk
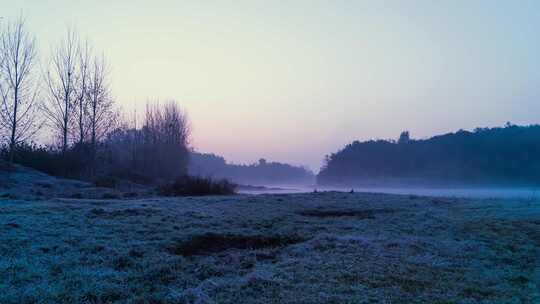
<point x="81" y="126"/>
<point x="13" y="127"/>
<point x="94" y="124"/>
<point x="65" y="129"/>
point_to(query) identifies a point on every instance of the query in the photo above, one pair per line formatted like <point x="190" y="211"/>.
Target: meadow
<point x="326" y="247"/>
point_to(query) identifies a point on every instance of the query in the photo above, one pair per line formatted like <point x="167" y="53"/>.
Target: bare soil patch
<point x="99" y="212"/>
<point x="362" y="213"/>
<point x="210" y="243"/>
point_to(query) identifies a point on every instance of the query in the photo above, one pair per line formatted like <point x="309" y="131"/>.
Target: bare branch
<point x="18" y="85"/>
<point x="61" y="81"/>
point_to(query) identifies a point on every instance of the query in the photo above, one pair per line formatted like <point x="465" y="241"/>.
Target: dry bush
<point x="196" y="186"/>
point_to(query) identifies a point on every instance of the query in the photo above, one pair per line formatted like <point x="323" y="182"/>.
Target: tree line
<point x="501" y="155"/>
<point x="261" y="173"/>
<point x="69" y="97"/>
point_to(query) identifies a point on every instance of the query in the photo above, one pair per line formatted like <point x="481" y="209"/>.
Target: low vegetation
<point x="325" y="247"/>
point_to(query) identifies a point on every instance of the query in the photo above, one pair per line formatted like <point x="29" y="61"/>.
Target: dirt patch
<point x="99" y="212"/>
<point x="134" y="212"/>
<point x="13" y="225"/>
<point x="122" y="263"/>
<point x="363" y="213"/>
<point x="439" y="201"/>
<point x="211" y="243"/>
<point x="95" y="212"/>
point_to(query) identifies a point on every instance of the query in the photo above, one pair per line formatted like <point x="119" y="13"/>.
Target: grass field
<point x="326" y="247"/>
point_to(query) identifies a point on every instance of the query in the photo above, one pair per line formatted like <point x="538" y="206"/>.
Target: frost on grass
<point x="210" y="243"/>
<point x="301" y="248"/>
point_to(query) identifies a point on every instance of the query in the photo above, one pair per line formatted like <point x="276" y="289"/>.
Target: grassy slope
<point x="314" y="248"/>
<point x="22" y="183"/>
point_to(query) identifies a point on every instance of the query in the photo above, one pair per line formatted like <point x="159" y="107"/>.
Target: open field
<point x="326" y="247"/>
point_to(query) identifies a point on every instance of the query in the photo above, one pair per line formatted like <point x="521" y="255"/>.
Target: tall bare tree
<point x="61" y="80"/>
<point x="81" y="106"/>
<point x="102" y="115"/>
<point x="18" y="85"/>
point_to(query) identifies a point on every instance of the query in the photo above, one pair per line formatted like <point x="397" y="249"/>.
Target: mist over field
<point x="305" y="151"/>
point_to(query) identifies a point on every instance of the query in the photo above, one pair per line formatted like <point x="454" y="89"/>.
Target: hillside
<point x="508" y="155"/>
<point x="22" y="183"/>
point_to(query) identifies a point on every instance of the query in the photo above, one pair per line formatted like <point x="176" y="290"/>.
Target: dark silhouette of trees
<point x="18" y="85"/>
<point x="261" y="173"/>
<point x="159" y="150"/>
<point x="81" y="112"/>
<point x="61" y="81"/>
<point x="79" y="103"/>
<point x="496" y="155"/>
<point x="81" y="99"/>
<point x="166" y="132"/>
<point x="102" y="115"/>
<point x="404" y="137"/>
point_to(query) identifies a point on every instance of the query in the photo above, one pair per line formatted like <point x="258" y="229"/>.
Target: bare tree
<point x="81" y="105"/>
<point x="159" y="150"/>
<point x="61" y="81"/>
<point x="18" y="86"/>
<point x="166" y="138"/>
<point x="102" y="115"/>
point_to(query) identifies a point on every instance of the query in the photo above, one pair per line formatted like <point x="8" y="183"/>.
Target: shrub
<point x="197" y="186"/>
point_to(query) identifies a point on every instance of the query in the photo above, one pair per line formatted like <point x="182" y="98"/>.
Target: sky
<point x="292" y="81"/>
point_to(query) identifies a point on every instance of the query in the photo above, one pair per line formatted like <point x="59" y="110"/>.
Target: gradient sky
<point x="294" y="80"/>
